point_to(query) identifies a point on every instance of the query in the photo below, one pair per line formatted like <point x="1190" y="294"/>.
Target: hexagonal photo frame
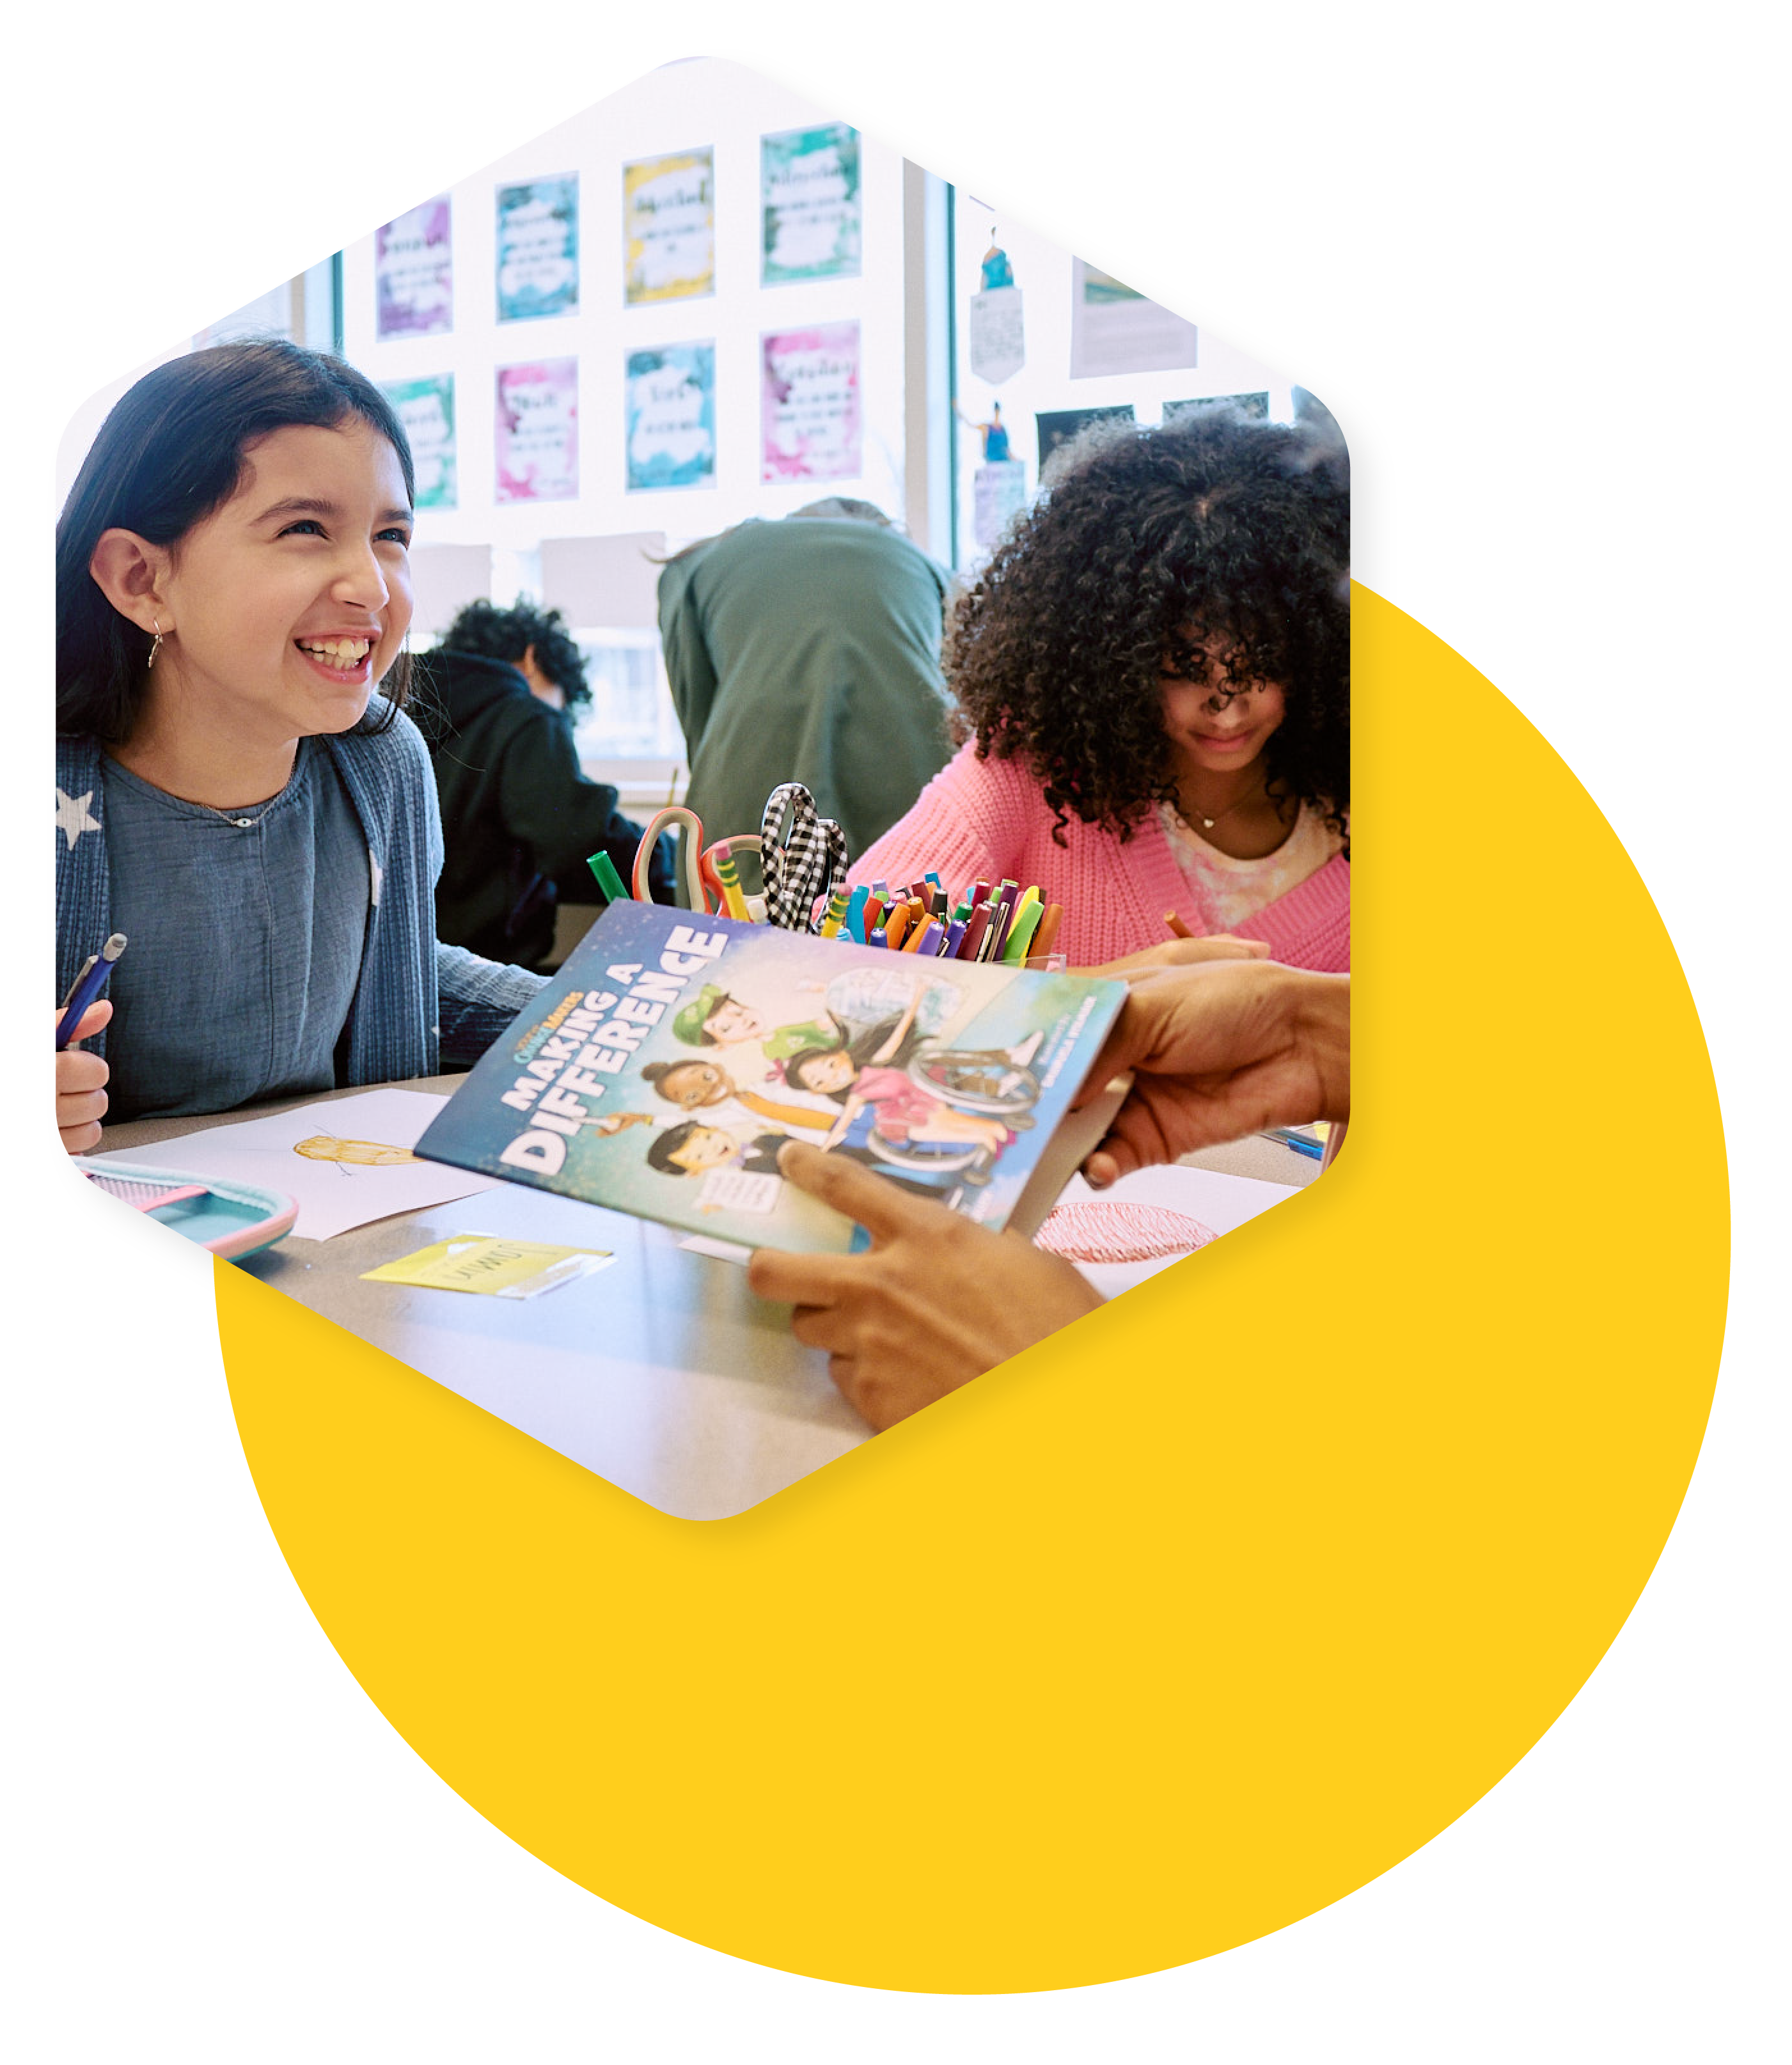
<point x="814" y="577"/>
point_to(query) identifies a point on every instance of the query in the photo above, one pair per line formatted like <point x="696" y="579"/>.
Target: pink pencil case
<point x="230" y="1220"/>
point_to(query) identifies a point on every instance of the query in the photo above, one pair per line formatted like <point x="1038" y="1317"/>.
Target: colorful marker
<point x="1021" y="931"/>
<point x="608" y="880"/>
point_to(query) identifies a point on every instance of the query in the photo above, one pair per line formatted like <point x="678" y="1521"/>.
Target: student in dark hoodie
<point x="496" y="699"/>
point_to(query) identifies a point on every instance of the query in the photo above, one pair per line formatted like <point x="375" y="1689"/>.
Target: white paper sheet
<point x="332" y="1194"/>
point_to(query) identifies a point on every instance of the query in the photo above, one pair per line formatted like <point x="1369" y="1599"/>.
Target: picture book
<point x="663" y="1067"/>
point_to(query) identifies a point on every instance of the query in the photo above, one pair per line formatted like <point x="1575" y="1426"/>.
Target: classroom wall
<point x="703" y="101"/>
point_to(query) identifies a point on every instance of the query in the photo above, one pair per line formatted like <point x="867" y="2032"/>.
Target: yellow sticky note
<point x="482" y="1262"/>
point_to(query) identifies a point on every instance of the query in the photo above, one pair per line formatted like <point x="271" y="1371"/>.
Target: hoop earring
<point x="157" y="646"/>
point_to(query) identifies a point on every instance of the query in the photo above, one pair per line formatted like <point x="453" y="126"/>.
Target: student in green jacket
<point x="808" y="650"/>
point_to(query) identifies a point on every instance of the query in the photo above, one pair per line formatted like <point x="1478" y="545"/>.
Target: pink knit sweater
<point x="984" y="819"/>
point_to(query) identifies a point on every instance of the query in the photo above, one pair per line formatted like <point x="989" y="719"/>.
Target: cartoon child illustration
<point x="877" y="1097"/>
<point x="694" y="1148"/>
<point x="696" y="1085"/>
<point x="856" y="1001"/>
<point x="713" y="1018"/>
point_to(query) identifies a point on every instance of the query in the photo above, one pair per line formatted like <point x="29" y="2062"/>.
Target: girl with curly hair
<point x="1152" y="678"/>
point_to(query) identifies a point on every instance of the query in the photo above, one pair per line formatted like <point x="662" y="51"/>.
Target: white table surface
<point x="662" y="1372"/>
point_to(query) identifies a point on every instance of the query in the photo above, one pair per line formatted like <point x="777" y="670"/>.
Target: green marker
<point x="1021" y="937"/>
<point x="608" y="880"/>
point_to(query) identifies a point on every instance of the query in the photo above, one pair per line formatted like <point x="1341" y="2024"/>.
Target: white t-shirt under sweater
<point x="1235" y="890"/>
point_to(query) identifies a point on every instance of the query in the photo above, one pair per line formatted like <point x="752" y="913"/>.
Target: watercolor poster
<point x="413" y="273"/>
<point x="668" y="227"/>
<point x="671" y="417"/>
<point x="538" y="249"/>
<point x="426" y="408"/>
<point x="809" y="197"/>
<point x="810" y="425"/>
<point x="1114" y="329"/>
<point x="538" y="431"/>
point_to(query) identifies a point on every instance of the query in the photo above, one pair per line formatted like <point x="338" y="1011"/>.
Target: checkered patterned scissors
<point x="799" y="867"/>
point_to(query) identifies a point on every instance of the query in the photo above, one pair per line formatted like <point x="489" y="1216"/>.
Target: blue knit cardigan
<point x="416" y="1003"/>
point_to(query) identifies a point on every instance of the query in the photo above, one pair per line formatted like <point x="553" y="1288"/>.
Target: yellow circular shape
<point x="1188" y="1621"/>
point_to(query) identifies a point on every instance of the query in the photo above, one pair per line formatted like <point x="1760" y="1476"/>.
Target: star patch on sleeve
<point x="73" y="817"/>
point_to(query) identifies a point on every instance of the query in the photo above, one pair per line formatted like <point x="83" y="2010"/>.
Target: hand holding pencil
<point x="81" y="1082"/>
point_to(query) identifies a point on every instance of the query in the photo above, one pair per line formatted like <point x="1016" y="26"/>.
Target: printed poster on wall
<point x="538" y="431"/>
<point x="671" y="417"/>
<point x="413" y="274"/>
<point x="999" y="494"/>
<point x="1256" y="404"/>
<point x="538" y="249"/>
<point x="809" y="427"/>
<point x="996" y="334"/>
<point x="1057" y="426"/>
<point x="668" y="227"/>
<point x="809" y="197"/>
<point x="426" y="408"/>
<point x="1114" y="329"/>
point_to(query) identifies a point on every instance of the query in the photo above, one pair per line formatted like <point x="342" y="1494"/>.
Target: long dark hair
<point x="172" y="451"/>
<point x="1236" y="526"/>
<point x="861" y="1049"/>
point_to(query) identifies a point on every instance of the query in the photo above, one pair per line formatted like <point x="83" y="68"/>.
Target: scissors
<point x="698" y="881"/>
<point x="800" y="867"/>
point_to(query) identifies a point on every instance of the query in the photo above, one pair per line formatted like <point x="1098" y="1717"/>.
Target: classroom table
<point x="705" y="1403"/>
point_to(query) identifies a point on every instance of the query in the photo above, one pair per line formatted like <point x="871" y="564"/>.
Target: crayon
<point x="854" y="919"/>
<point x="1046" y="937"/>
<point x="1176" y="926"/>
<point x="896" y="925"/>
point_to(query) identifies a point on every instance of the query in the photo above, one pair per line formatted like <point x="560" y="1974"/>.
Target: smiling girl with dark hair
<point x="232" y="794"/>
<point x="1151" y="678"/>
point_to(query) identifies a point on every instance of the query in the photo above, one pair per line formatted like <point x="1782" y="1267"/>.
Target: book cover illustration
<point x="663" y="1067"/>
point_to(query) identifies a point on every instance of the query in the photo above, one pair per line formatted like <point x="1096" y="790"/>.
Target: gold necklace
<point x="1208" y="823"/>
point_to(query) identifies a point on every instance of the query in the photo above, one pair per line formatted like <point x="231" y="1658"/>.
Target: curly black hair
<point x="507" y="634"/>
<point x="1216" y="544"/>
